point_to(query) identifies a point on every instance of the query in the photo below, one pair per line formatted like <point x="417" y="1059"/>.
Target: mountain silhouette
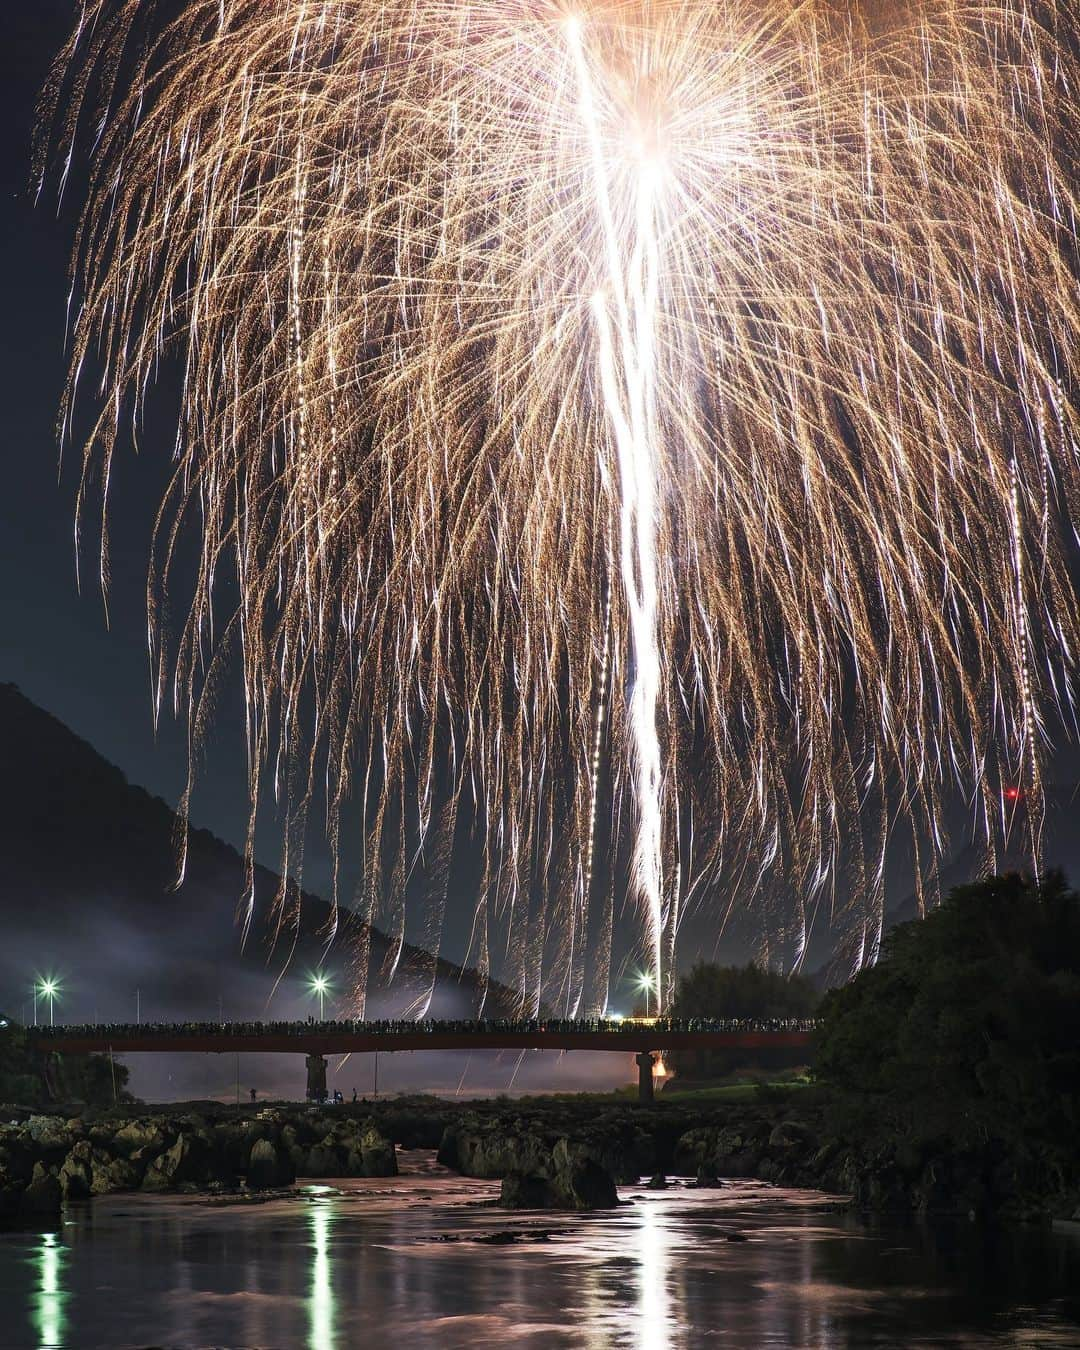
<point x="88" y="865"/>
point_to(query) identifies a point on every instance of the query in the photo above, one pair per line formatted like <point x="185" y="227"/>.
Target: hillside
<point x="87" y="864"/>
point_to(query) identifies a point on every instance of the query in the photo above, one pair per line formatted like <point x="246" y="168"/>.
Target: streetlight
<point x="319" y="984"/>
<point x="647" y="985"/>
<point x="47" y="988"/>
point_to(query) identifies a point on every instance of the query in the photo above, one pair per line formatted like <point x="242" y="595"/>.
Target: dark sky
<point x="56" y="645"/>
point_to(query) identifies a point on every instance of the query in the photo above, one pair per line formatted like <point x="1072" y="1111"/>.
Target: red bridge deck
<point x="633" y="1040"/>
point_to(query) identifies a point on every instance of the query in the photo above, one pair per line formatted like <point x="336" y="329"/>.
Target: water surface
<point x="403" y="1265"/>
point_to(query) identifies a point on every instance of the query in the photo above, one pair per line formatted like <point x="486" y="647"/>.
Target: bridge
<point x="646" y="1038"/>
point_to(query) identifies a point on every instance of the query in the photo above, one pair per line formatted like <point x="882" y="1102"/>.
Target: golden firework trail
<point x="683" y="384"/>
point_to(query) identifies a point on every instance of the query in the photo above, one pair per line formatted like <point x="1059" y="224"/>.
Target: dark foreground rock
<point x="569" y="1178"/>
<point x="549" y="1153"/>
<point x="47" y="1160"/>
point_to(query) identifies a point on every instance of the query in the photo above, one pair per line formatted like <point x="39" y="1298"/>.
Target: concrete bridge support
<point x="316" y="1078"/>
<point x="645" y="1062"/>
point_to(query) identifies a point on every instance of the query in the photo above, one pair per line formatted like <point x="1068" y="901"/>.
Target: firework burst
<point x="677" y="386"/>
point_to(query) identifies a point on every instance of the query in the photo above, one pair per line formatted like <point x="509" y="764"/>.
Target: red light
<point x="1012" y="794"/>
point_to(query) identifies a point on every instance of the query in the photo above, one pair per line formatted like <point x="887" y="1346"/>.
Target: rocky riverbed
<point x="47" y="1159"/>
<point x="548" y="1153"/>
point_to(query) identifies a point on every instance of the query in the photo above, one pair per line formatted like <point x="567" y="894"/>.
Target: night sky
<point x="56" y="644"/>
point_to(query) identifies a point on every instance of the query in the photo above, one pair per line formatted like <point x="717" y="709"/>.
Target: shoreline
<point x="559" y="1153"/>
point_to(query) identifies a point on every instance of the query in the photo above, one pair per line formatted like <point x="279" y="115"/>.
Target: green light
<point x="321" y="1298"/>
<point x="49" y="1303"/>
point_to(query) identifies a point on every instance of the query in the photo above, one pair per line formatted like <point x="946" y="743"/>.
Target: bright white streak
<point x="631" y="407"/>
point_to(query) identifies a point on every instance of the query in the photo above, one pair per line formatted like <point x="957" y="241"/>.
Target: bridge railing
<point x="631" y="1028"/>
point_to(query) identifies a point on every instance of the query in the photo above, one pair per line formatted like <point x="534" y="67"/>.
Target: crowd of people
<point x="479" y="1027"/>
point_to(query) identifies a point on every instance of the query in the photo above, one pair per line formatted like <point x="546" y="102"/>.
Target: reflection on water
<point x="652" y="1312"/>
<point x="405" y="1264"/>
<point x="49" y="1302"/>
<point x="321" y="1298"/>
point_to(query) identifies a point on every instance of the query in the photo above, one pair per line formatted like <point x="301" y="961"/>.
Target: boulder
<point x="189" y="1162"/>
<point x="49" y="1134"/>
<point x="377" y="1155"/>
<point x="43" y="1198"/>
<point x="692" y="1149"/>
<point x="492" y="1152"/>
<point x="519" y="1192"/>
<point x="76" y="1176"/>
<point x="110" y="1175"/>
<point x="269" y="1166"/>
<point x="324" y="1160"/>
<point x="791" y="1137"/>
<point x="579" y="1180"/>
<point x="137" y="1135"/>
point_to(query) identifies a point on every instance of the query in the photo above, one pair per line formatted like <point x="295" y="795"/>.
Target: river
<point x="421" y="1262"/>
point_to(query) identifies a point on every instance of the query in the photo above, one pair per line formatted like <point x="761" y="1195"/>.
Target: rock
<point x="76" y="1175"/>
<point x="492" y="1152"/>
<point x="824" y="1156"/>
<point x="10" y="1198"/>
<point x="707" y="1179"/>
<point x="746" y="1163"/>
<point x="137" y="1135"/>
<point x="791" y="1137"/>
<point x="580" y="1181"/>
<point x="448" y="1154"/>
<point x="324" y="1160"/>
<point x="269" y="1167"/>
<point x="692" y="1149"/>
<point x="377" y="1154"/>
<point x="109" y="1175"/>
<point x="188" y="1162"/>
<point x="43" y="1198"/>
<point x="657" y="1182"/>
<point x="49" y="1133"/>
<point x="528" y="1193"/>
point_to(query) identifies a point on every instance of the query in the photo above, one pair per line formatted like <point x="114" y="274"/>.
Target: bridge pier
<point x="645" y="1063"/>
<point x="316" y="1078"/>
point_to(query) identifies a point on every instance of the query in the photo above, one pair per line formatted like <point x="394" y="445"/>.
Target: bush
<point x="969" y="1025"/>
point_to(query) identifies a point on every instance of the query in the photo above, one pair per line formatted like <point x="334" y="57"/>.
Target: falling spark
<point x="685" y="379"/>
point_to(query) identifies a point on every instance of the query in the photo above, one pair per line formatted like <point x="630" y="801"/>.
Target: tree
<point x="742" y="991"/>
<point x="30" y="1078"/>
<point x="750" y="991"/>
<point x="969" y="1025"/>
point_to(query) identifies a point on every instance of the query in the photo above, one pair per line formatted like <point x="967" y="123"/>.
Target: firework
<point x="658" y="410"/>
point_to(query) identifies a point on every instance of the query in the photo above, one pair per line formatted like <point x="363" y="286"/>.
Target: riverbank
<point x="548" y="1152"/>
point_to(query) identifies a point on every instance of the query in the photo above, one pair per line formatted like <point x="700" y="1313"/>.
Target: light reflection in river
<point x="49" y="1305"/>
<point x="654" y="1317"/>
<point x="321" y="1297"/>
<point x="428" y="1261"/>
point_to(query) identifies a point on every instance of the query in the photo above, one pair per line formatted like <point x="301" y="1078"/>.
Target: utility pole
<point x="138" y="1007"/>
